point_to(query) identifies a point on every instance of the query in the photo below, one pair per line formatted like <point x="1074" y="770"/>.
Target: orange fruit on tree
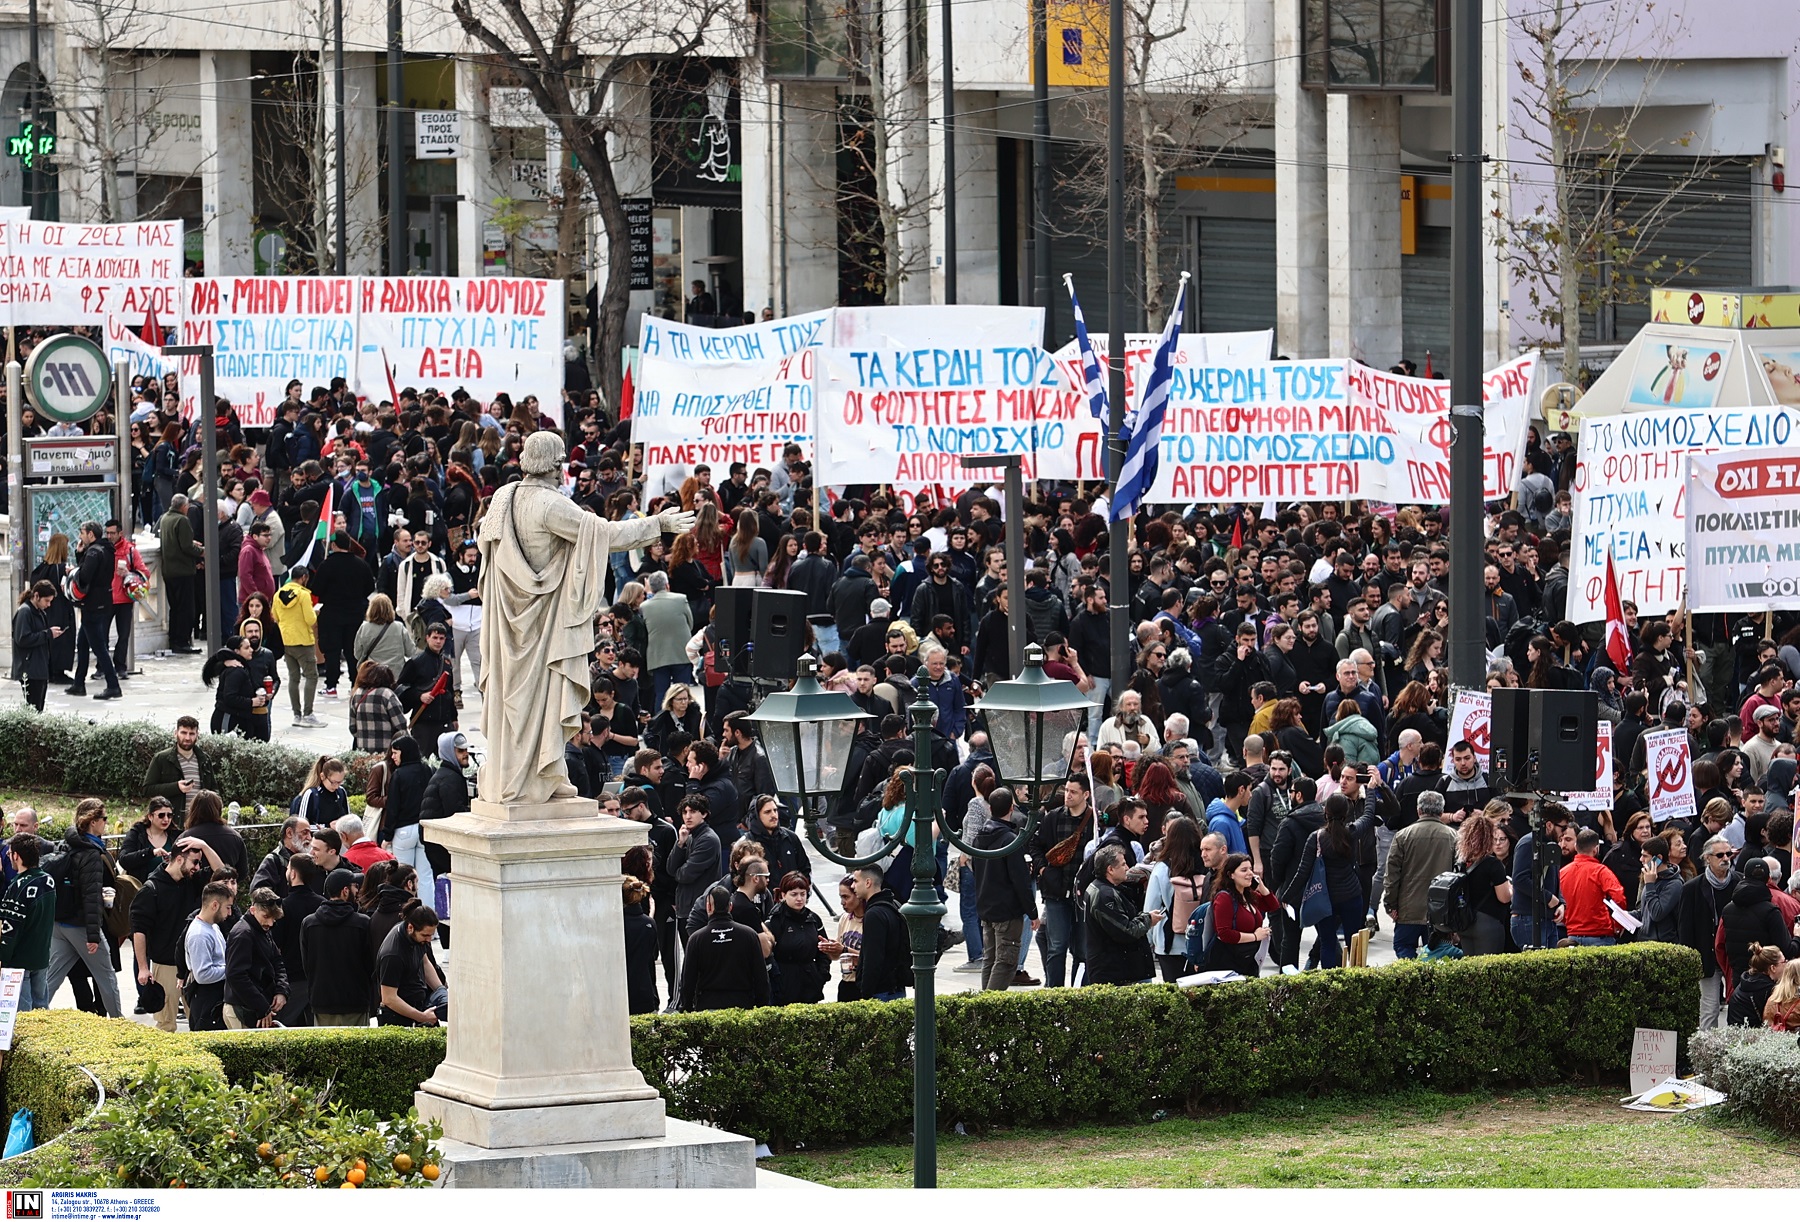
<point x="429" y="1171"/>
<point x="403" y="1162"/>
<point x="264" y="1150"/>
<point x="357" y="1175"/>
<point x="321" y="1174"/>
<point x="361" y="1165"/>
<point x="346" y="1184"/>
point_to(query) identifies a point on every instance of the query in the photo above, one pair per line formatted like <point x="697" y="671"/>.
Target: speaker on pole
<point x="777" y="633"/>
<point x="732" y="622"/>
<point x="1509" y="738"/>
<point x="1564" y="733"/>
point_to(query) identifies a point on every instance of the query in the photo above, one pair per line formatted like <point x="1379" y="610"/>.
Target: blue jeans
<point x="1024" y="944"/>
<point x="35" y="995"/>
<point x="971" y="916"/>
<point x="1059" y="928"/>
<point x="1408" y="938"/>
<point x="825" y="638"/>
<point x="1586" y="941"/>
<point x="1524" y="932"/>
<point x="662" y="676"/>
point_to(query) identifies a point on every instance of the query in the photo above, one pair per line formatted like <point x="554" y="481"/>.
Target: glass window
<point x="1384" y="46"/>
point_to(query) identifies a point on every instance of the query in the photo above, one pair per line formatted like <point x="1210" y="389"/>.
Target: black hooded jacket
<point x="339" y="958"/>
<point x="1751" y="916"/>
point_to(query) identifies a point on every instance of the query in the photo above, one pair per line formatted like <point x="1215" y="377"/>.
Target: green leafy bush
<point x="50" y="1047"/>
<point x="1758" y="1069"/>
<point x="109" y="759"/>
<point x="178" y="1130"/>
<point x="377" y="1068"/>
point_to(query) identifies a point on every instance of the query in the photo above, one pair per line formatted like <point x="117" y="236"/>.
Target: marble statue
<point x="543" y="569"/>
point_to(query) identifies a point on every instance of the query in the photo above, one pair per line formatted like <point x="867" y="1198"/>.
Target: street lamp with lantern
<point x="1033" y="724"/>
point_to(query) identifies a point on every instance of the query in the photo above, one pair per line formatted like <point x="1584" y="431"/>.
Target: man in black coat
<point x="418" y="686"/>
<point x="305" y="883"/>
<point x="255" y="981"/>
<point x="95" y="580"/>
<point x="1307" y="817"/>
<point x="1703" y="900"/>
<point x="938" y="595"/>
<point x="695" y="862"/>
<point x="884" y="969"/>
<point x="159" y="921"/>
<point x="337" y="957"/>
<point x="723" y="966"/>
<point x="1003" y="895"/>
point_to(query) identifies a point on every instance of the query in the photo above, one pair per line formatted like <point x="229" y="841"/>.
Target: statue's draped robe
<point x="543" y="567"/>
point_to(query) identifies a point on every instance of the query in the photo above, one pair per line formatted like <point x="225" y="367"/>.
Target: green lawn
<point x="1539" y="1139"/>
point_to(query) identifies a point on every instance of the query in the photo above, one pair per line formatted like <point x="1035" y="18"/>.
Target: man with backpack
<point x="1003" y="894"/>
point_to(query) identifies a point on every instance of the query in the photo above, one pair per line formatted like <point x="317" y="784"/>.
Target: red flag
<point x="151" y="334"/>
<point x="1427" y="362"/>
<point x="1618" y="637"/>
<point x="393" y="392"/>
<point x="1237" y="532"/>
<point x="626" y="395"/>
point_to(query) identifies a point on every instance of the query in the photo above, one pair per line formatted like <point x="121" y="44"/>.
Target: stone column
<point x="537" y="1087"/>
<point x="1302" y="288"/>
<point x="227" y="197"/>
<point x="1363" y="190"/>
<point x="362" y="174"/>
<point x="476" y="179"/>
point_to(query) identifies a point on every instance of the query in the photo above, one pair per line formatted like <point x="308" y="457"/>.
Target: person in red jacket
<point x="1240" y="899"/>
<point x="1586" y="886"/>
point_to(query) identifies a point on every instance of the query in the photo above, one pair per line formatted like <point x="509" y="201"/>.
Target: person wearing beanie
<point x="338" y="958"/>
<point x="262" y="512"/>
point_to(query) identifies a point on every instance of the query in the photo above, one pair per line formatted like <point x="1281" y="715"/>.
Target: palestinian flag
<point x="322" y="532"/>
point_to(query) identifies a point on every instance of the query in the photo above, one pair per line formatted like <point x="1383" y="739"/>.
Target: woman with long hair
<point x="1489" y="887"/>
<point x="1177" y="885"/>
<point x="1425" y="656"/>
<point x="1240" y="900"/>
<point x="1336" y="845"/>
<point x="787" y="550"/>
<point x="1748" y="1005"/>
<point x="893" y="815"/>
<point x="148" y="841"/>
<point x="689" y="577"/>
<point x="1291" y="736"/>
<point x="461" y="497"/>
<point x="680" y="714"/>
<point x="1623" y="859"/>
<point x="381" y="637"/>
<point x="54" y="568"/>
<point x="709" y="541"/>
<point x="206" y="823"/>
<point x="377" y="717"/>
<point x="1160" y="795"/>
<point x="1414" y="709"/>
<point x="165" y="465"/>
<point x="1355" y="733"/>
<point x="241" y="705"/>
<point x="748" y="555"/>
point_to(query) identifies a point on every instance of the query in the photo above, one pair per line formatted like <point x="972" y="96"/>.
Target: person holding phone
<point x="1240" y="902"/>
<point x="1659" y="893"/>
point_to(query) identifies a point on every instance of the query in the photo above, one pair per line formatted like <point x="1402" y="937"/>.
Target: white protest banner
<point x="52" y="274"/>
<point x="1668" y="761"/>
<point x="482" y="334"/>
<point x="266" y="331"/>
<point x="1631" y="498"/>
<point x="928" y="326"/>
<point x="1423" y="422"/>
<point x="1471" y="721"/>
<point x="1601" y="796"/>
<point x="905" y="415"/>
<point x="1743" y="531"/>
<point x="702" y="395"/>
<point x="125" y="344"/>
<point x="12" y="984"/>
<point x="1652" y="1058"/>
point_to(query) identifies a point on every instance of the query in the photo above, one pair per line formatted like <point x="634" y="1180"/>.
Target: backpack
<point x="1183" y="904"/>
<point x="1201" y="934"/>
<point x="415" y="628"/>
<point x="1449" y="907"/>
<point x="61" y="870"/>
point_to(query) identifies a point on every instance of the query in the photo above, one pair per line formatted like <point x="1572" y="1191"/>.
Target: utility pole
<point x="1038" y="248"/>
<point x="949" y="161"/>
<point x="341" y="260"/>
<point x="1119" y="571"/>
<point x="207" y="410"/>
<point x="33" y="190"/>
<point x="1014" y="467"/>
<point x="396" y="152"/>
<point x="1468" y="638"/>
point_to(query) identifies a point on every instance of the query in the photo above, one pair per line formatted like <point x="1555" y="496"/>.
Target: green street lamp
<point x="1033" y="724"/>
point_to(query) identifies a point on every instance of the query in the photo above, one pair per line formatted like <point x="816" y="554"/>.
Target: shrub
<point x="43" y="1070"/>
<point x="1758" y="1069"/>
<point x="177" y="1130"/>
<point x="377" y="1068"/>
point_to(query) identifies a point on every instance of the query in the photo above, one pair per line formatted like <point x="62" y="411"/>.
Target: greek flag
<point x="1090" y="364"/>
<point x="1144" y="428"/>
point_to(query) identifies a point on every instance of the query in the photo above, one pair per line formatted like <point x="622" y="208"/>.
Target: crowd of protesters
<point x="1267" y="773"/>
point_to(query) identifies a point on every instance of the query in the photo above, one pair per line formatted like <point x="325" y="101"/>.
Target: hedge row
<point x="377" y="1068"/>
<point x="1757" y="1068"/>
<point x="109" y="759"/>
<point x="50" y="1047"/>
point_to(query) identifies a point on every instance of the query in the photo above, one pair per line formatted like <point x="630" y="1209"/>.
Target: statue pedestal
<point x="538" y="1087"/>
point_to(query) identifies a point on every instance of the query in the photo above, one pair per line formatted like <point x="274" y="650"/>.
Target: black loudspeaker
<point x="777" y="633"/>
<point x="1565" y="737"/>
<point x="1509" y="738"/>
<point x="731" y="620"/>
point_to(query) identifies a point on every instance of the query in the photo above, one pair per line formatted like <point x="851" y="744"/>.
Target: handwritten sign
<point x="1631" y="499"/>
<point x="1471" y="721"/>
<point x="483" y="334"/>
<point x="1601" y="796"/>
<point x="53" y="274"/>
<point x="125" y="344"/>
<point x="266" y="331"/>
<point x="1652" y="1058"/>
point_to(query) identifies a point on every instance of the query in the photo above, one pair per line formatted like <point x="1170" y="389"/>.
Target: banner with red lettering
<point x="1669" y="765"/>
<point x="123" y="343"/>
<point x="482" y="334"/>
<point x="1601" y="796"/>
<point x="1471" y="721"/>
<point x="265" y="332"/>
<point x="65" y="275"/>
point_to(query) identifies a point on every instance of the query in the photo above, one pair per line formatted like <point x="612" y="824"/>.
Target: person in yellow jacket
<point x="298" y="620"/>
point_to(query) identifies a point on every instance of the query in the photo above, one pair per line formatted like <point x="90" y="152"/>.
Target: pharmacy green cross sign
<point x="30" y="144"/>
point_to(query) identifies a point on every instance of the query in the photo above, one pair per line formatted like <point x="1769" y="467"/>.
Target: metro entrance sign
<point x="68" y="378"/>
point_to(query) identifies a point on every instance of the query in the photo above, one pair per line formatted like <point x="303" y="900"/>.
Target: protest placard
<point x="1743" y="531"/>
<point x="1471" y="721"/>
<point x="125" y="344"/>
<point x="1630" y="498"/>
<point x="266" y="331"/>
<point x="482" y="334"/>
<point x="1669" y="763"/>
<point x="1652" y="1058"/>
<point x="1601" y="796"/>
<point x="55" y="274"/>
